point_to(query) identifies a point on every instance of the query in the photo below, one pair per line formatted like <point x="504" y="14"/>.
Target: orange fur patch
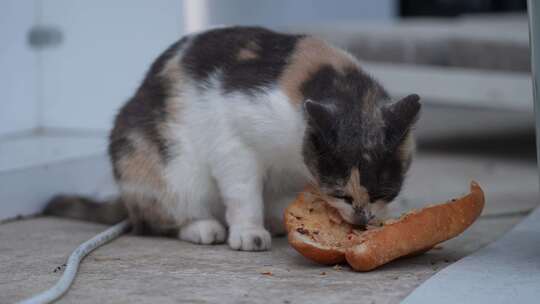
<point x="173" y="73"/>
<point x="249" y="52"/>
<point x="310" y="54"/>
<point x="406" y="149"/>
<point x="142" y="166"/>
<point x="369" y="100"/>
<point x="144" y="189"/>
<point x="246" y="54"/>
<point x="356" y="190"/>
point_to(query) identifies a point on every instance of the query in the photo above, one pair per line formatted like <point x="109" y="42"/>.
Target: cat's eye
<point x="376" y="197"/>
<point x="344" y="197"/>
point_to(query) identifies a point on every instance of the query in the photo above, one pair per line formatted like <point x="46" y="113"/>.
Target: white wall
<point x="18" y="67"/>
<point x="297" y="12"/>
<point x="107" y="47"/>
<point x="80" y="83"/>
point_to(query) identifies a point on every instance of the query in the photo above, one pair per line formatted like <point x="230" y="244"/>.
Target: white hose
<point x="55" y="292"/>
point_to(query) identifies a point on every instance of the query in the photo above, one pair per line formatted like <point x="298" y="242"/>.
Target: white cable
<point x="55" y="292"/>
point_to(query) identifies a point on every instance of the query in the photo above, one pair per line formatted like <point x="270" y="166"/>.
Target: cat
<point x="230" y="124"/>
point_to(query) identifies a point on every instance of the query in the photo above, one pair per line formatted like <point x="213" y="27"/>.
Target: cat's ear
<point x="319" y="115"/>
<point x="400" y="116"/>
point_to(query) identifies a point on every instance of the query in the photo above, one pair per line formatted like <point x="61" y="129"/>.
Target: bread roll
<point x="317" y="231"/>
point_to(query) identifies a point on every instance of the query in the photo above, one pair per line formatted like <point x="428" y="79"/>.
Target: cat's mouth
<point x="359" y="218"/>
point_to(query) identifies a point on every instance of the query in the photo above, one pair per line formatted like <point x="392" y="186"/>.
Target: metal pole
<point x="534" y="40"/>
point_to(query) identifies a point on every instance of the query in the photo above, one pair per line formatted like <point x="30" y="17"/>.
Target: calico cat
<point x="231" y="123"/>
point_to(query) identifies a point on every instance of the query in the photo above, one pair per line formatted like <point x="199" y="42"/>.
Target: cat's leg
<point x="239" y="177"/>
<point x="196" y="203"/>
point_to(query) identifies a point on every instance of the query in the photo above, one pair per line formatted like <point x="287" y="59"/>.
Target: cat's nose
<point x="361" y="217"/>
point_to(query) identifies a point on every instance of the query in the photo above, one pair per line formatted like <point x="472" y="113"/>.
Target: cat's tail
<point x="82" y="208"/>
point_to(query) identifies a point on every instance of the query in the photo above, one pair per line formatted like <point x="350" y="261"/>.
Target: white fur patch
<point x="231" y="149"/>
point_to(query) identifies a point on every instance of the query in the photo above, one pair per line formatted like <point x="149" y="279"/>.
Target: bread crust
<point x="316" y="252"/>
<point x="414" y="232"/>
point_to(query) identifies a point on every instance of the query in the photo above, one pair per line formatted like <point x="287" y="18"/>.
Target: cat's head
<point x="359" y="152"/>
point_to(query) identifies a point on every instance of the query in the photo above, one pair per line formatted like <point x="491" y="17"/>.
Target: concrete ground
<point x="159" y="270"/>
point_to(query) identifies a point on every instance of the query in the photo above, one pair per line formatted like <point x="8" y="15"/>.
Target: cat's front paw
<point x="206" y="232"/>
<point x="249" y="238"/>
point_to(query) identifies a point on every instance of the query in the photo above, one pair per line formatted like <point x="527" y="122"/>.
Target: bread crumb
<point x="338" y="267"/>
<point x="268" y="273"/>
<point x="437" y="247"/>
<point x="334" y="217"/>
<point x="323" y="273"/>
<point x="302" y="230"/>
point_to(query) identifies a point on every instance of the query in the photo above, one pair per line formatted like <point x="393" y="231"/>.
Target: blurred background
<point x="67" y="66"/>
